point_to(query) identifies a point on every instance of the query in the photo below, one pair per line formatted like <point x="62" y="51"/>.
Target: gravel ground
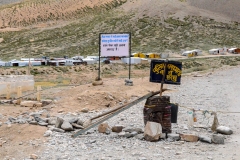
<point x="216" y="91"/>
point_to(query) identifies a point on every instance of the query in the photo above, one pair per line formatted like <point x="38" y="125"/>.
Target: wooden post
<point x="38" y="93"/>
<point x="8" y="91"/>
<point x="19" y="94"/>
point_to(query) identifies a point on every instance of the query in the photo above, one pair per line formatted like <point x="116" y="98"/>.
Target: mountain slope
<point x="73" y="26"/>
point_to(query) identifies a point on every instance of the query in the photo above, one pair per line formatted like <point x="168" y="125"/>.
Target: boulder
<point x="73" y="120"/>
<point x="47" y="133"/>
<point x="67" y="126"/>
<point x="224" y="130"/>
<point x="59" y="122"/>
<point x="152" y="131"/>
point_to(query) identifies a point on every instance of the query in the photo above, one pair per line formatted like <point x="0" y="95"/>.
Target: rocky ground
<point x="213" y="92"/>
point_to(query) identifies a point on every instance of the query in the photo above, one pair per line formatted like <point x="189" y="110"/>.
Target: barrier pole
<point x="8" y="91"/>
<point x="19" y="94"/>
<point x="38" y="93"/>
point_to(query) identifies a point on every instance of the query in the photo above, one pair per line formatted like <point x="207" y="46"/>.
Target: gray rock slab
<point x="57" y="130"/>
<point x="59" y="122"/>
<point x="67" y="126"/>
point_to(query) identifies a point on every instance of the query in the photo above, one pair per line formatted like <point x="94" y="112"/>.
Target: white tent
<point x="214" y="51"/>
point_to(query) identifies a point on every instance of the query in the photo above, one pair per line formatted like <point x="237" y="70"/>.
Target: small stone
<point x="102" y="128"/>
<point x="205" y="139"/>
<point x="80" y="122"/>
<point x="178" y="153"/>
<point x="138" y="130"/>
<point x="139" y="136"/>
<point x="42" y="123"/>
<point x="52" y="120"/>
<point x="59" y="122"/>
<point x="117" y="128"/>
<point x="33" y="122"/>
<point x="0" y="124"/>
<point x="134" y="133"/>
<point x="85" y="110"/>
<point x="174" y="137"/>
<point x="87" y="123"/>
<point x="122" y="134"/>
<point x="33" y="156"/>
<point x="73" y="120"/>
<point x="189" y="137"/>
<point x="58" y="130"/>
<point x="224" y="130"/>
<point x="47" y="133"/>
<point x="218" y="139"/>
<point x="77" y="126"/>
<point x="67" y="126"/>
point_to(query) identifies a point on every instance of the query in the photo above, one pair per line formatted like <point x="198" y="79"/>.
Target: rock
<point x="224" y="130"/>
<point x="67" y="126"/>
<point x="58" y="130"/>
<point x="29" y="103"/>
<point x="59" y="122"/>
<point x="33" y="122"/>
<point x="205" y="139"/>
<point x="46" y="102"/>
<point x="21" y="121"/>
<point x="12" y="120"/>
<point x="35" y="114"/>
<point x="33" y="156"/>
<point x="47" y="133"/>
<point x="128" y="81"/>
<point x="73" y="120"/>
<point x="139" y="136"/>
<point x="134" y="133"/>
<point x="103" y="128"/>
<point x="174" y="137"/>
<point x="42" y="123"/>
<point x="189" y="137"/>
<point x="152" y="131"/>
<point x="80" y="122"/>
<point x="218" y="139"/>
<point x="138" y="130"/>
<point x="52" y="120"/>
<point x="85" y="110"/>
<point x="96" y="83"/>
<point x="38" y="119"/>
<point x="87" y="123"/>
<point x="77" y="126"/>
<point x="117" y="129"/>
<point x="0" y="124"/>
<point x="122" y="134"/>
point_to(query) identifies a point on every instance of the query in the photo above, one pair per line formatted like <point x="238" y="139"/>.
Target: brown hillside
<point x="32" y="12"/>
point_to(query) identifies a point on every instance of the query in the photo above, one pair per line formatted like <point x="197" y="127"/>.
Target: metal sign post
<point x="164" y="75"/>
